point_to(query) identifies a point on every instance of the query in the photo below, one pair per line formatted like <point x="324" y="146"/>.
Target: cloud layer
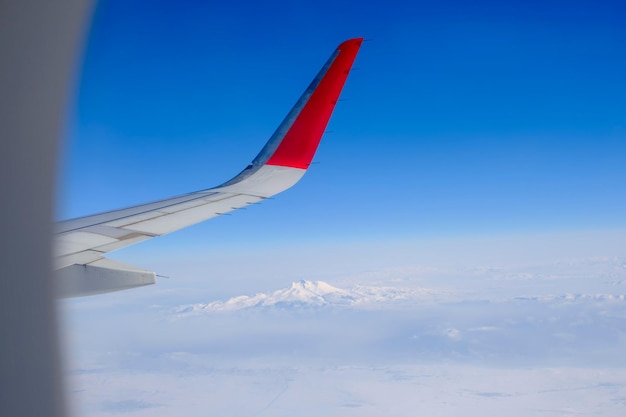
<point x="545" y="338"/>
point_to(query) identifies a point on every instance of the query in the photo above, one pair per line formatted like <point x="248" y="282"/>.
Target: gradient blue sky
<point x="463" y="118"/>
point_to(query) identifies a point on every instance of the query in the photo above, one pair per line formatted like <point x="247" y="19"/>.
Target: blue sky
<point x="462" y="119"/>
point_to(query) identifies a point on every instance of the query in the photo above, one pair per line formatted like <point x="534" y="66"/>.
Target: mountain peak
<point x="306" y="294"/>
<point x="315" y="287"/>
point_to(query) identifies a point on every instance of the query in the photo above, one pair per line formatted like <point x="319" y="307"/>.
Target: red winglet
<point x="297" y="148"/>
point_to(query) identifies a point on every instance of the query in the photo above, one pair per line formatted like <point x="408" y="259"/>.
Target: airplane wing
<point x="81" y="243"/>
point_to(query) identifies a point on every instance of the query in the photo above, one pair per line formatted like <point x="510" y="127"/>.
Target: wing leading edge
<point x="81" y="243"/>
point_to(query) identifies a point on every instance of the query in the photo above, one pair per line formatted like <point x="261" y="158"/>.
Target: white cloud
<point x="541" y="338"/>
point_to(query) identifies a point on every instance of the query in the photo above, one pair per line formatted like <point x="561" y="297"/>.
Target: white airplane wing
<point x="82" y="243"/>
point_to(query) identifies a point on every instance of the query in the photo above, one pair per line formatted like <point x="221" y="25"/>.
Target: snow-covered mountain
<point x="310" y="294"/>
<point x="303" y="295"/>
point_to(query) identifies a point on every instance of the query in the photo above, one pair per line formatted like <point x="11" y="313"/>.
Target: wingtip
<point x="313" y="111"/>
<point x="350" y="43"/>
<point x="295" y="141"/>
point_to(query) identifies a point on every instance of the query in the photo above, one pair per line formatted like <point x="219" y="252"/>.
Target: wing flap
<point x="102" y="276"/>
<point x="79" y="241"/>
